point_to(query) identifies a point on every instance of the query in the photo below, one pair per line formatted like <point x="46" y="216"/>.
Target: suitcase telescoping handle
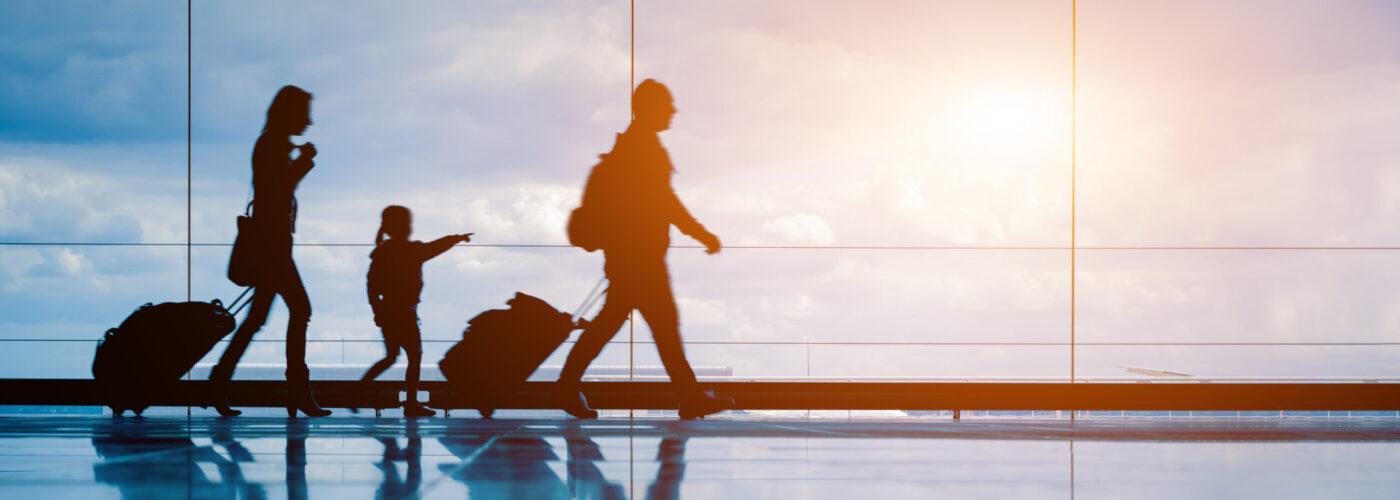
<point x="591" y="299"/>
<point x="235" y="306"/>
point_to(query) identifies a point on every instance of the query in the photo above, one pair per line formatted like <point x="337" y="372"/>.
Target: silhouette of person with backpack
<point x="395" y="282"/>
<point x="276" y="174"/>
<point x="627" y="211"/>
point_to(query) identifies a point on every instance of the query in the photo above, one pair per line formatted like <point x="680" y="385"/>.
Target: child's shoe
<point x="415" y="409"/>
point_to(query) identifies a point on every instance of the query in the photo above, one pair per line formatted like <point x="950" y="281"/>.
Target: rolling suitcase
<point x="139" y="360"/>
<point x="501" y="348"/>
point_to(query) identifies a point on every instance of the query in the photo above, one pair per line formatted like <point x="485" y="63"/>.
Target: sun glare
<point x="1004" y="116"/>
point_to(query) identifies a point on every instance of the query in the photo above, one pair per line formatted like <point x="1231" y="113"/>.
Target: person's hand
<point x="711" y="243"/>
<point x="465" y="238"/>
<point x="308" y="151"/>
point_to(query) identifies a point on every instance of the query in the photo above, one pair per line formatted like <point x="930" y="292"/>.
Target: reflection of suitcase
<point x="138" y="361"/>
<point x="502" y="347"/>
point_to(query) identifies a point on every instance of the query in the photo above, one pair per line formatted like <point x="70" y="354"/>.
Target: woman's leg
<point x="257" y="315"/>
<point x="299" y="307"/>
<point x="298" y="377"/>
<point x="223" y="371"/>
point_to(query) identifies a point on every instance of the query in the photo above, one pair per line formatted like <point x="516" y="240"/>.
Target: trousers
<point x="643" y="285"/>
<point x="282" y="279"/>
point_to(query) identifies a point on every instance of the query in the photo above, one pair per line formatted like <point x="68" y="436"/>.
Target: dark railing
<point x="778" y="395"/>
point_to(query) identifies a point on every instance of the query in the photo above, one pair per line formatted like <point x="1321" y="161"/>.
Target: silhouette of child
<point x="395" y="282"/>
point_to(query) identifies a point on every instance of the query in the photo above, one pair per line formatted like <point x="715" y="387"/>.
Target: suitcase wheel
<point x="486" y="412"/>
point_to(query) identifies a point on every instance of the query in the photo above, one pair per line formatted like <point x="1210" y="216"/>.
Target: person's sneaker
<point x="576" y="405"/>
<point x="707" y="404"/>
<point x="414" y="409"/>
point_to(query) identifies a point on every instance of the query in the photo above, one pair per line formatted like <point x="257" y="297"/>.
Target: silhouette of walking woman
<point x="275" y="177"/>
<point x="629" y="195"/>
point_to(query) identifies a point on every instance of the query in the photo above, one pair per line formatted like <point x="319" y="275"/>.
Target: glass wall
<point x="92" y="175"/>
<point x="906" y="190"/>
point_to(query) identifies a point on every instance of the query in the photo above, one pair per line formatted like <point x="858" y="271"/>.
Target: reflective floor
<point x="53" y="457"/>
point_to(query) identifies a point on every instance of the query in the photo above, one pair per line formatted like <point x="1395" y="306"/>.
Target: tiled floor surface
<point x="56" y="457"/>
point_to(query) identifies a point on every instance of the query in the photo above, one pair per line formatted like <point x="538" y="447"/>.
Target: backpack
<point x="587" y="227"/>
<point x="592" y="225"/>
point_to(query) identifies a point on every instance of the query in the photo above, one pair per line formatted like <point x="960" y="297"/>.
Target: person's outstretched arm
<point x="687" y="223"/>
<point x="437" y="247"/>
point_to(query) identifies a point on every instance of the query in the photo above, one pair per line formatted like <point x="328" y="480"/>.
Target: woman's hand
<point x="308" y="151"/>
<point x="465" y="238"/>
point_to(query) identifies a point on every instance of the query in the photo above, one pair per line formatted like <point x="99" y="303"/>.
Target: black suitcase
<point x="502" y="347"/>
<point x="139" y="360"/>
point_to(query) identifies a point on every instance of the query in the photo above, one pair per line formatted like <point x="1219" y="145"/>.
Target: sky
<point x="901" y="128"/>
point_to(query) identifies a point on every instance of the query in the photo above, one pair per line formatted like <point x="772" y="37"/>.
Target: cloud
<point x="800" y="229"/>
<point x="71" y="71"/>
<point x="61" y="262"/>
<point x="71" y="199"/>
<point x="839" y="128"/>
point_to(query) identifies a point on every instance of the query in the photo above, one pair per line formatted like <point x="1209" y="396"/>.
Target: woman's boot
<point x="218" y="397"/>
<point x="299" y="396"/>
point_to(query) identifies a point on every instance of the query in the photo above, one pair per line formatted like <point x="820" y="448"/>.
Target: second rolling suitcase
<point x="502" y="347"/>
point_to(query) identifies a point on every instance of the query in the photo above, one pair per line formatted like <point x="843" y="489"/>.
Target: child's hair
<point x="393" y="215"/>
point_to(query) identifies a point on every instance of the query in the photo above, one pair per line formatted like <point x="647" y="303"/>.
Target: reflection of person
<point x="297" y="431"/>
<point x="146" y="462"/>
<point x="221" y="434"/>
<point x="631" y="193"/>
<point x="671" y="454"/>
<point x="584" y="478"/>
<point x="395" y="283"/>
<point x="505" y="466"/>
<point x="518" y="466"/>
<point x="276" y="175"/>
<point x="395" y="486"/>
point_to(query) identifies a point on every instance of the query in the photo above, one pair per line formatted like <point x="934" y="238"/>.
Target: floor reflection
<point x="142" y="461"/>
<point x="519" y="467"/>
<point x="151" y="459"/>
<point x="406" y="485"/>
<point x="343" y="458"/>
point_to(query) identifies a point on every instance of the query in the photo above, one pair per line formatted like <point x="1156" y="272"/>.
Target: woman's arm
<point x="302" y="164"/>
